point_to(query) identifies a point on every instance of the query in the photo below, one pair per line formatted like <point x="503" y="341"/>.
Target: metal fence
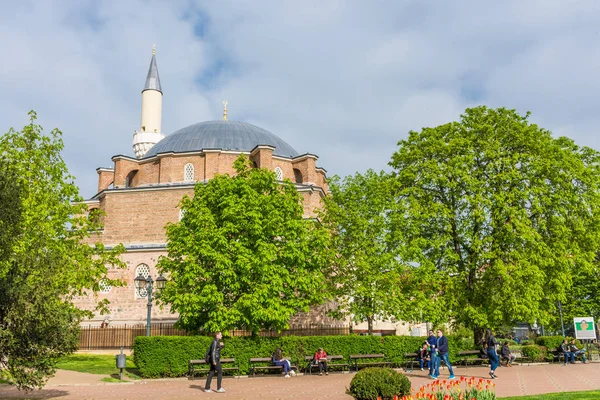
<point x="115" y="337"/>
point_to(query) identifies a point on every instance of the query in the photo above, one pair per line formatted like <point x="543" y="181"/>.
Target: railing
<point x="114" y="337"/>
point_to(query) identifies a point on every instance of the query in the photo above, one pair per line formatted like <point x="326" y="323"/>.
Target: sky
<point x="345" y="80"/>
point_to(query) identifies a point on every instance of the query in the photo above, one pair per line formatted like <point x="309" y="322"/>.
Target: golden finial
<point x="153" y="49"/>
<point x="225" y="110"/>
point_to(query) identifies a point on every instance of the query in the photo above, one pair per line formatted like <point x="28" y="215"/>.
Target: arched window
<point x="144" y="271"/>
<point x="129" y="178"/>
<point x="105" y="287"/>
<point x="298" y="175"/>
<point x="278" y="173"/>
<point x="188" y="172"/>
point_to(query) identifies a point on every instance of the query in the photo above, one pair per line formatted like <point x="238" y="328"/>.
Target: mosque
<point x="140" y="194"/>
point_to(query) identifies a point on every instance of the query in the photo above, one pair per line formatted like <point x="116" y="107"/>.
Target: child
<point x="321" y="359"/>
<point x="423" y="355"/>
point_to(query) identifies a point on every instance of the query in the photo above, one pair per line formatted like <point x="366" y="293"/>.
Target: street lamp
<point x="562" y="325"/>
<point x="142" y="283"/>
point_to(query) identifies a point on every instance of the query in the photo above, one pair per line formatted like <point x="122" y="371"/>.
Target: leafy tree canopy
<point x="243" y="256"/>
<point x="44" y="260"/>
<point x="371" y="280"/>
<point x="507" y="214"/>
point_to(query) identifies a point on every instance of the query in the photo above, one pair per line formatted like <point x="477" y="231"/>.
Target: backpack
<point x="207" y="354"/>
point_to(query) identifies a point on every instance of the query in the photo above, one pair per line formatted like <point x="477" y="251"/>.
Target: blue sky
<point x="343" y="79"/>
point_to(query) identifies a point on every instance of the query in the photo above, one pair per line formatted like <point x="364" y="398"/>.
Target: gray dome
<point x="225" y="135"/>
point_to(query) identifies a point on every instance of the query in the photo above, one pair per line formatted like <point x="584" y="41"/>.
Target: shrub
<point x="168" y="356"/>
<point x="371" y="383"/>
<point x="534" y="353"/>
<point x="550" y="342"/>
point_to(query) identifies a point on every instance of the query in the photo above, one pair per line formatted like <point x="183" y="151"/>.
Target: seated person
<point x="507" y="355"/>
<point x="283" y="362"/>
<point x="321" y="359"/>
<point x="483" y="352"/>
<point x="423" y="355"/>
<point x="576" y="352"/>
<point x="565" y="349"/>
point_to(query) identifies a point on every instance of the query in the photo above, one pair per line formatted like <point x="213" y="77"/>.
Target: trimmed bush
<point x="168" y="356"/>
<point x="552" y="342"/>
<point x="371" y="383"/>
<point x="534" y="353"/>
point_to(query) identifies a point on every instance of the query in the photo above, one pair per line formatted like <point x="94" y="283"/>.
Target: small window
<point x="188" y="172"/>
<point x="144" y="271"/>
<point x="278" y="174"/>
<point x="105" y="287"/>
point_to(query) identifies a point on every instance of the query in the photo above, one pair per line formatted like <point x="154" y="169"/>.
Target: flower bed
<point x="459" y="389"/>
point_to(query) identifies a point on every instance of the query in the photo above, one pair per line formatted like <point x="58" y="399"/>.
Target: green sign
<point x="584" y="328"/>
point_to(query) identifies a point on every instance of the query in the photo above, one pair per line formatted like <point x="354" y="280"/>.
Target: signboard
<point x="584" y="328"/>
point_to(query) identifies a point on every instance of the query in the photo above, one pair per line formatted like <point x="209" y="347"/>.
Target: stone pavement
<point x="515" y="381"/>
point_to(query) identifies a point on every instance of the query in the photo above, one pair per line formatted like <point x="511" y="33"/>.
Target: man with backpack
<point x="213" y="357"/>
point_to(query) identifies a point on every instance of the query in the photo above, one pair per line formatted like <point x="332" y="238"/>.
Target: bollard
<point x="121" y="363"/>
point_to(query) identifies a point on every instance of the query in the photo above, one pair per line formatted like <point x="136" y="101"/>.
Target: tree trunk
<point x="478" y="336"/>
<point x="369" y="326"/>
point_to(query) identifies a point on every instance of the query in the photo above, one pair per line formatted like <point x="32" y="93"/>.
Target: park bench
<point x="265" y="364"/>
<point x="332" y="362"/>
<point x="192" y="364"/>
<point x="410" y="360"/>
<point x="519" y="358"/>
<point x="559" y="356"/>
<point x="471" y="356"/>
<point x="368" y="360"/>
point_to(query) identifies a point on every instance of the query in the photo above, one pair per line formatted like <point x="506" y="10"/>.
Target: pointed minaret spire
<point x="150" y="130"/>
<point x="152" y="80"/>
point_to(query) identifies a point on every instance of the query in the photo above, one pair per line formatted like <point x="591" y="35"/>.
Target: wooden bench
<point x="519" y="358"/>
<point x="194" y="363"/>
<point x="258" y="363"/>
<point x="559" y="356"/>
<point x="369" y="360"/>
<point x="331" y="363"/>
<point x="411" y="359"/>
<point x="466" y="357"/>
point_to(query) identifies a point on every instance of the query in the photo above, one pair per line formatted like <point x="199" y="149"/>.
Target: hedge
<point x="168" y="356"/>
<point x="552" y="342"/>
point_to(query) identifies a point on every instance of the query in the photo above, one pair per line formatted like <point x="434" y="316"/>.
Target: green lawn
<point x="95" y="364"/>
<point x="595" y="394"/>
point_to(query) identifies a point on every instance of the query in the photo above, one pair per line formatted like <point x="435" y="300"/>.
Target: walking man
<point x="213" y="356"/>
<point x="432" y="342"/>
<point x="442" y="348"/>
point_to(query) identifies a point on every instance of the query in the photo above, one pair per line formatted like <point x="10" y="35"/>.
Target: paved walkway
<point x="519" y="380"/>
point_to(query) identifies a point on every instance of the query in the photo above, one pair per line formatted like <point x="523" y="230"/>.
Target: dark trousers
<point x="214" y="368"/>
<point x="322" y="366"/>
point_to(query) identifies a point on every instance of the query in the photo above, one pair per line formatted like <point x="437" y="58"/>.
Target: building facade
<point x="140" y="194"/>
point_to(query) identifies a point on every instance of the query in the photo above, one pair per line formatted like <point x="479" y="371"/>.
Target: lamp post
<point x="147" y="283"/>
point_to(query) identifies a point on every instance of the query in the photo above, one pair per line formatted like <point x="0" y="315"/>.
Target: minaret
<point x="150" y="130"/>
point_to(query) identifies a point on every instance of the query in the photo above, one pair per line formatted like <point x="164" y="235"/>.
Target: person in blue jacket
<point x="432" y="342"/>
<point x="442" y="348"/>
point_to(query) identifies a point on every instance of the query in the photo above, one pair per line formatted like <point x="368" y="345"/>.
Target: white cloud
<point x="345" y="80"/>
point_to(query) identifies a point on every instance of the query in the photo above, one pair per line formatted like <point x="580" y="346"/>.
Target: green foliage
<point x="44" y="258"/>
<point x="369" y="278"/>
<point x="551" y="342"/>
<point x="374" y="383"/>
<point x="534" y="353"/>
<point x="243" y="256"/>
<point x="168" y="356"/>
<point x="505" y="214"/>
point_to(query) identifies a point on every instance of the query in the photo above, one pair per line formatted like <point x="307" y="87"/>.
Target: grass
<point x="593" y="395"/>
<point x="110" y="379"/>
<point x="96" y="364"/>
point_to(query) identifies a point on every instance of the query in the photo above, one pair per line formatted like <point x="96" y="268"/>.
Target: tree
<point x="504" y="212"/>
<point x="371" y="280"/>
<point x="243" y="256"/>
<point x="45" y="259"/>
